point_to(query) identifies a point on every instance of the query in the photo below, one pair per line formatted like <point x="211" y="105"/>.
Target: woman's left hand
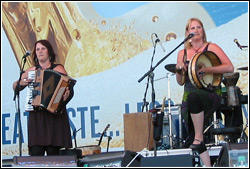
<point x="66" y="94"/>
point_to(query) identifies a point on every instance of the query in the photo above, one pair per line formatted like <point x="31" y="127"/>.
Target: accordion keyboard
<point x="29" y="96"/>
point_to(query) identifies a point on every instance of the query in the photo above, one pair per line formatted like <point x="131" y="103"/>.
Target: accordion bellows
<point x="46" y="90"/>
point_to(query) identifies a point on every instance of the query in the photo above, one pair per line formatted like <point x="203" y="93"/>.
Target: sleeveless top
<point x="46" y="128"/>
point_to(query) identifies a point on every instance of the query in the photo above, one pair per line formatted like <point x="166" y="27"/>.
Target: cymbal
<point x="243" y="68"/>
<point x="171" y="68"/>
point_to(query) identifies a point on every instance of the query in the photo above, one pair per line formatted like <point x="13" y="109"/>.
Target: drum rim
<point x="193" y="75"/>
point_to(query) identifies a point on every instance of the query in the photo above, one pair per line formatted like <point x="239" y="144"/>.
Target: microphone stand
<point x="145" y="103"/>
<point x="16" y="95"/>
<point x="151" y="78"/>
<point x="152" y="68"/>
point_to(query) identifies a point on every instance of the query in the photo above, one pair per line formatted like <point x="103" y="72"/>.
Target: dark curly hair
<point x="45" y="43"/>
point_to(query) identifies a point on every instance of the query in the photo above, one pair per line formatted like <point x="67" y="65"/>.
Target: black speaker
<point x="233" y="155"/>
<point x="168" y="161"/>
<point x="111" y="159"/>
<point x="45" y="161"/>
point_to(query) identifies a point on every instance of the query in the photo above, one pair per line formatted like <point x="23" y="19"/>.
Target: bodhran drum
<point x="208" y="81"/>
<point x="89" y="150"/>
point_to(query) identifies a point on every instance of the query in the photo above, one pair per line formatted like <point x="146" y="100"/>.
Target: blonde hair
<point x="187" y="43"/>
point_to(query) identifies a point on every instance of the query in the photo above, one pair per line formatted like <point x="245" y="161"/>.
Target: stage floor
<point x="221" y="155"/>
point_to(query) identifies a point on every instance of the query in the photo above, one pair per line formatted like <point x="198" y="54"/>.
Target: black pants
<point x="40" y="150"/>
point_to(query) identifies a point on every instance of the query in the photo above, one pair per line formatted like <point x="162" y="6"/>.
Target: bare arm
<point x="67" y="93"/>
<point x="61" y="69"/>
<point x="24" y="79"/>
<point x="226" y="65"/>
<point x="180" y="65"/>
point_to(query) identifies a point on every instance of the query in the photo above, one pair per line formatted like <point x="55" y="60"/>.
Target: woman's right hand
<point x="180" y="67"/>
<point x="25" y="81"/>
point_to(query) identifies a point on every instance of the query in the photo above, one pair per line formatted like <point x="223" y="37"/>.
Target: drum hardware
<point x="169" y="105"/>
<point x="176" y="127"/>
<point x="215" y="123"/>
<point x="103" y="133"/>
<point x="243" y="136"/>
<point x="109" y="138"/>
<point x="159" y="79"/>
<point x="74" y="135"/>
<point x="160" y="105"/>
<point x="243" y="68"/>
<point x="169" y="114"/>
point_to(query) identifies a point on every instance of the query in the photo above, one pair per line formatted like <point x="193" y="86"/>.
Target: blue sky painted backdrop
<point x="221" y="12"/>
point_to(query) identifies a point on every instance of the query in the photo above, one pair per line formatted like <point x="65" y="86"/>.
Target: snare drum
<point x="208" y="81"/>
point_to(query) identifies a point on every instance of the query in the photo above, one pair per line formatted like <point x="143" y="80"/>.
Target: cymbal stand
<point x="109" y="138"/>
<point x="169" y="114"/>
<point x="215" y="123"/>
<point x="243" y="136"/>
<point x="74" y="135"/>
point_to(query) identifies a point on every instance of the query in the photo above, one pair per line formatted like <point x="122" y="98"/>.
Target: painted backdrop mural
<point x="107" y="51"/>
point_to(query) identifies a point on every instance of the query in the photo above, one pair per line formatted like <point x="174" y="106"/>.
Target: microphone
<point x="189" y="36"/>
<point x="158" y="40"/>
<point x="237" y="43"/>
<point x="27" y="54"/>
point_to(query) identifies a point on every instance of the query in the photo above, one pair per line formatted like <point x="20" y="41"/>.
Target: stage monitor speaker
<point x="168" y="161"/>
<point x="111" y="159"/>
<point x="45" y="161"/>
<point x="233" y="155"/>
<point x="138" y="131"/>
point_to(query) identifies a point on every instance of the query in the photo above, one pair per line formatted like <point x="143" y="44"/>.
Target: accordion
<point x="46" y="90"/>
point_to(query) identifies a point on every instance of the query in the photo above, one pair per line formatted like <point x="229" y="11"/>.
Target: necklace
<point x="196" y="50"/>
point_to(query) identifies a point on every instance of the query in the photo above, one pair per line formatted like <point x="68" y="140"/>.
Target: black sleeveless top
<point x="46" y="128"/>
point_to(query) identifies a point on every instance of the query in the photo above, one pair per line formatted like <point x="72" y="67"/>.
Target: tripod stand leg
<point x="215" y="124"/>
<point x="155" y="154"/>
